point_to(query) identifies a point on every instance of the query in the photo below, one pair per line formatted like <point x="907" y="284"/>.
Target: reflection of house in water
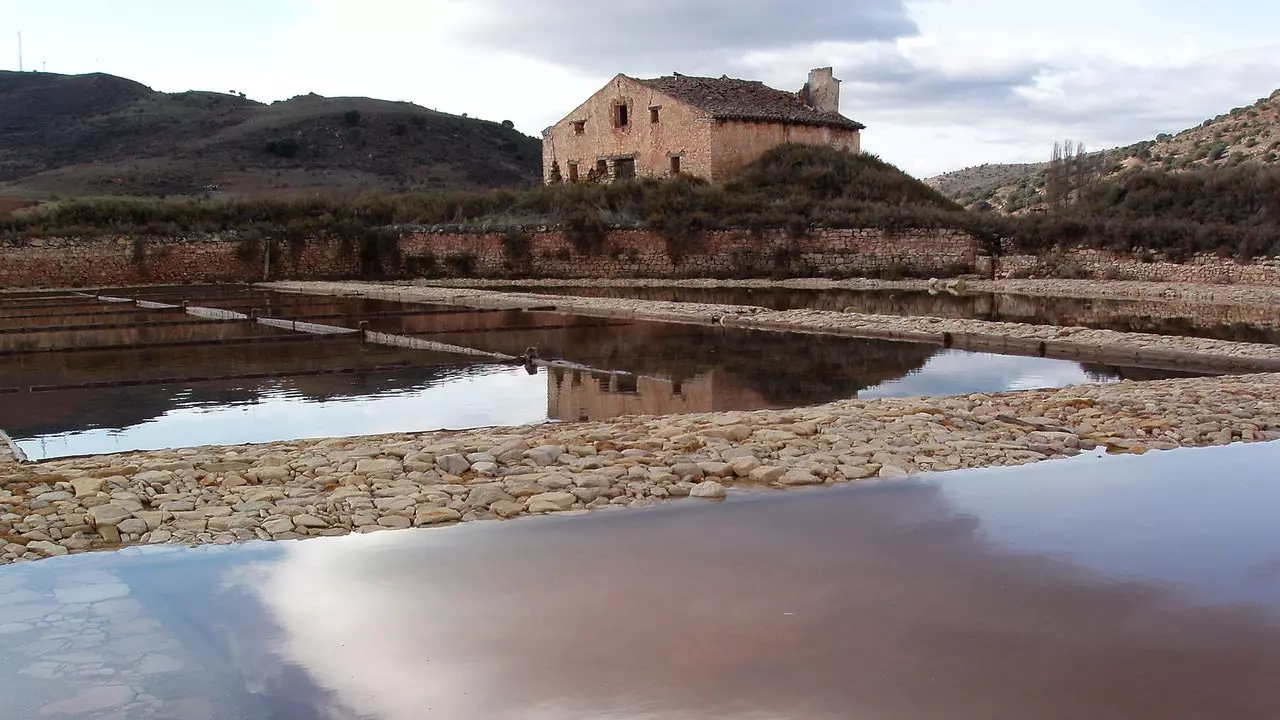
<point x="595" y="395"/>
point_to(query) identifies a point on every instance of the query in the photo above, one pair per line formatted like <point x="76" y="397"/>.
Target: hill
<point x="1245" y="135"/>
<point x="97" y="134"/>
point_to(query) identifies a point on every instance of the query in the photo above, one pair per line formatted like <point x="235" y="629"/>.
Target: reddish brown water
<point x="1103" y="588"/>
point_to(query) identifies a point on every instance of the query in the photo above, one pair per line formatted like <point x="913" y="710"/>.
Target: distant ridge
<point x="98" y="134"/>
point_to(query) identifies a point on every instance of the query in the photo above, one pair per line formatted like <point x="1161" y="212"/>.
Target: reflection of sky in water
<point x="486" y="396"/>
<point x="1125" y="515"/>
<point x="957" y="372"/>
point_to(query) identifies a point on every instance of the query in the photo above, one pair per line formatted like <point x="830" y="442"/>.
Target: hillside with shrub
<point x="1247" y="135"/>
<point x="792" y="186"/>
<point x="97" y="134"/>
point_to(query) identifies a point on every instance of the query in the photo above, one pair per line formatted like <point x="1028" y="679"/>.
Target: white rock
<point x="309" y="521"/>
<point x="743" y="466"/>
<point x="271" y="473"/>
<point x="892" y="471"/>
<point x="708" y="489"/>
<point x="133" y="526"/>
<point x="551" y="502"/>
<point x="370" y="466"/>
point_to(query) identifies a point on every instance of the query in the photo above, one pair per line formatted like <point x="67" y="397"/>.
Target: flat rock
<point x="108" y="515"/>
<point x="278" y="524"/>
<point x="544" y="454"/>
<point x="551" y="502"/>
<point x="371" y="466"/>
<point x="799" y="477"/>
<point x="507" y="508"/>
<point x="435" y="516"/>
<point x="767" y="473"/>
<point x="46" y="548"/>
<point x="309" y="521"/>
<point x="86" y="486"/>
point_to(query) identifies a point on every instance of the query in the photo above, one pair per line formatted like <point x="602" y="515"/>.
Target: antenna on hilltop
<point x="19" y="51"/>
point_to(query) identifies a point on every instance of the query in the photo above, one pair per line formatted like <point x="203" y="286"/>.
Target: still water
<point x="1108" y="588"/>
<point x="1222" y="322"/>
<point x="88" y="384"/>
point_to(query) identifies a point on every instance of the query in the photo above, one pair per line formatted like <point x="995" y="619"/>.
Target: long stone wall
<point x="122" y="260"/>
<point x="1106" y="265"/>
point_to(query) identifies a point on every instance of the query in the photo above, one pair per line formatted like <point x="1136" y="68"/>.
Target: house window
<point x="653" y="114"/>
<point x="624" y="169"/>
<point x="621" y="116"/>
<point x="579" y="127"/>
<point x="573" y="172"/>
<point x="675" y="165"/>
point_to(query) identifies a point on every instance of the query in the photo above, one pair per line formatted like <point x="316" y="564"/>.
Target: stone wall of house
<point x="680" y="130"/>
<point x="108" y="261"/>
<point x="735" y="144"/>
<point x="1105" y="265"/>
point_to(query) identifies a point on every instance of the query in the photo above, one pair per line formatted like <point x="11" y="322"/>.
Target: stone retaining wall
<point x="1105" y="265"/>
<point x="124" y="260"/>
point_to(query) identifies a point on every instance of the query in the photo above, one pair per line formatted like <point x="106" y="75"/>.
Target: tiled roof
<point x="732" y="99"/>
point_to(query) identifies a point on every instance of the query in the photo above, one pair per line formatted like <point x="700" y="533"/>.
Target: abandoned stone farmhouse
<point x="707" y="127"/>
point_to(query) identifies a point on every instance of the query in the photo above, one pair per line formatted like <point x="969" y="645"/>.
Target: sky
<point x="941" y="84"/>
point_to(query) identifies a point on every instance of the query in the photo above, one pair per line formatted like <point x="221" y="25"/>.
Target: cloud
<point x="663" y="35"/>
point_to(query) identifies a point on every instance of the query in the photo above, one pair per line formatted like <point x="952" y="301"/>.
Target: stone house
<point x="707" y="127"/>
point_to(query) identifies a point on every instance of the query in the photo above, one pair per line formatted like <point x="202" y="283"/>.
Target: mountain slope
<point x="100" y="134"/>
<point x="1245" y="135"/>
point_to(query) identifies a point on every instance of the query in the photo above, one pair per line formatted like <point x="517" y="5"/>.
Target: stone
<point x="397" y="522"/>
<point x="686" y="470"/>
<point x="892" y="471"/>
<point x="132" y="526"/>
<point x="799" y="477"/>
<point x="510" y="451"/>
<point x="454" y="464"/>
<point x="507" y="508"/>
<point x="270" y="473"/>
<point x="233" y="480"/>
<point x="709" y="489"/>
<point x="435" y="516"/>
<point x="551" y="502"/>
<point x="715" y="469"/>
<point x="544" y="454"/>
<point x="743" y="466"/>
<point x="485" y="468"/>
<point x="371" y="466"/>
<point x="857" y="472"/>
<point x="309" y="521"/>
<point x="108" y="515"/>
<point x="46" y="548"/>
<point x="278" y="524"/>
<point x="176" y="506"/>
<point x="484" y="496"/>
<point x="86" y="486"/>
<point x="766" y="474"/>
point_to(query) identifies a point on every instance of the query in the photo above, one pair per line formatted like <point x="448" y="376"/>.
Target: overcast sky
<point x="941" y="84"/>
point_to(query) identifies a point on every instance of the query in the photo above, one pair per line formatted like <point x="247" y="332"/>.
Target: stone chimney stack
<point x="823" y="90"/>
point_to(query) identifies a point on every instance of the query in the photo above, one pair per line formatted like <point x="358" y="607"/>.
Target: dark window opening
<point x="624" y="168"/>
<point x="628" y="384"/>
<point x="675" y="165"/>
<point x="622" y="118"/>
<point x="573" y="172"/>
<point x="653" y="115"/>
<point x="602" y="170"/>
<point x="579" y="127"/>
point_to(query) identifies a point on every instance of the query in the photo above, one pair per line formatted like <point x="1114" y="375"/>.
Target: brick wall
<point x="89" y="262"/>
<point x="680" y="130"/>
<point x="736" y="144"/>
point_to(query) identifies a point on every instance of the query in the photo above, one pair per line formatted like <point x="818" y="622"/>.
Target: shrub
<point x="351" y="118"/>
<point x="285" y="147"/>
<point x="462" y="264"/>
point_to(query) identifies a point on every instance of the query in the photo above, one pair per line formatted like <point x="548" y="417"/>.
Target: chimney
<point x="822" y="92"/>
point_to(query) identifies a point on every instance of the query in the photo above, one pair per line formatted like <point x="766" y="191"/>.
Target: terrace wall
<point x="107" y="261"/>
<point x="122" y="260"/>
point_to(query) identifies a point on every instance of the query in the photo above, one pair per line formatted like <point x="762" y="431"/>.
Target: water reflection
<point x="1163" y="317"/>
<point x="1095" y="587"/>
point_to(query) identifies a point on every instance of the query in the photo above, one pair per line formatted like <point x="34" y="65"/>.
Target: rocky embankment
<point x="298" y="489"/>
<point x="1165" y="351"/>
<point x="1095" y="289"/>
